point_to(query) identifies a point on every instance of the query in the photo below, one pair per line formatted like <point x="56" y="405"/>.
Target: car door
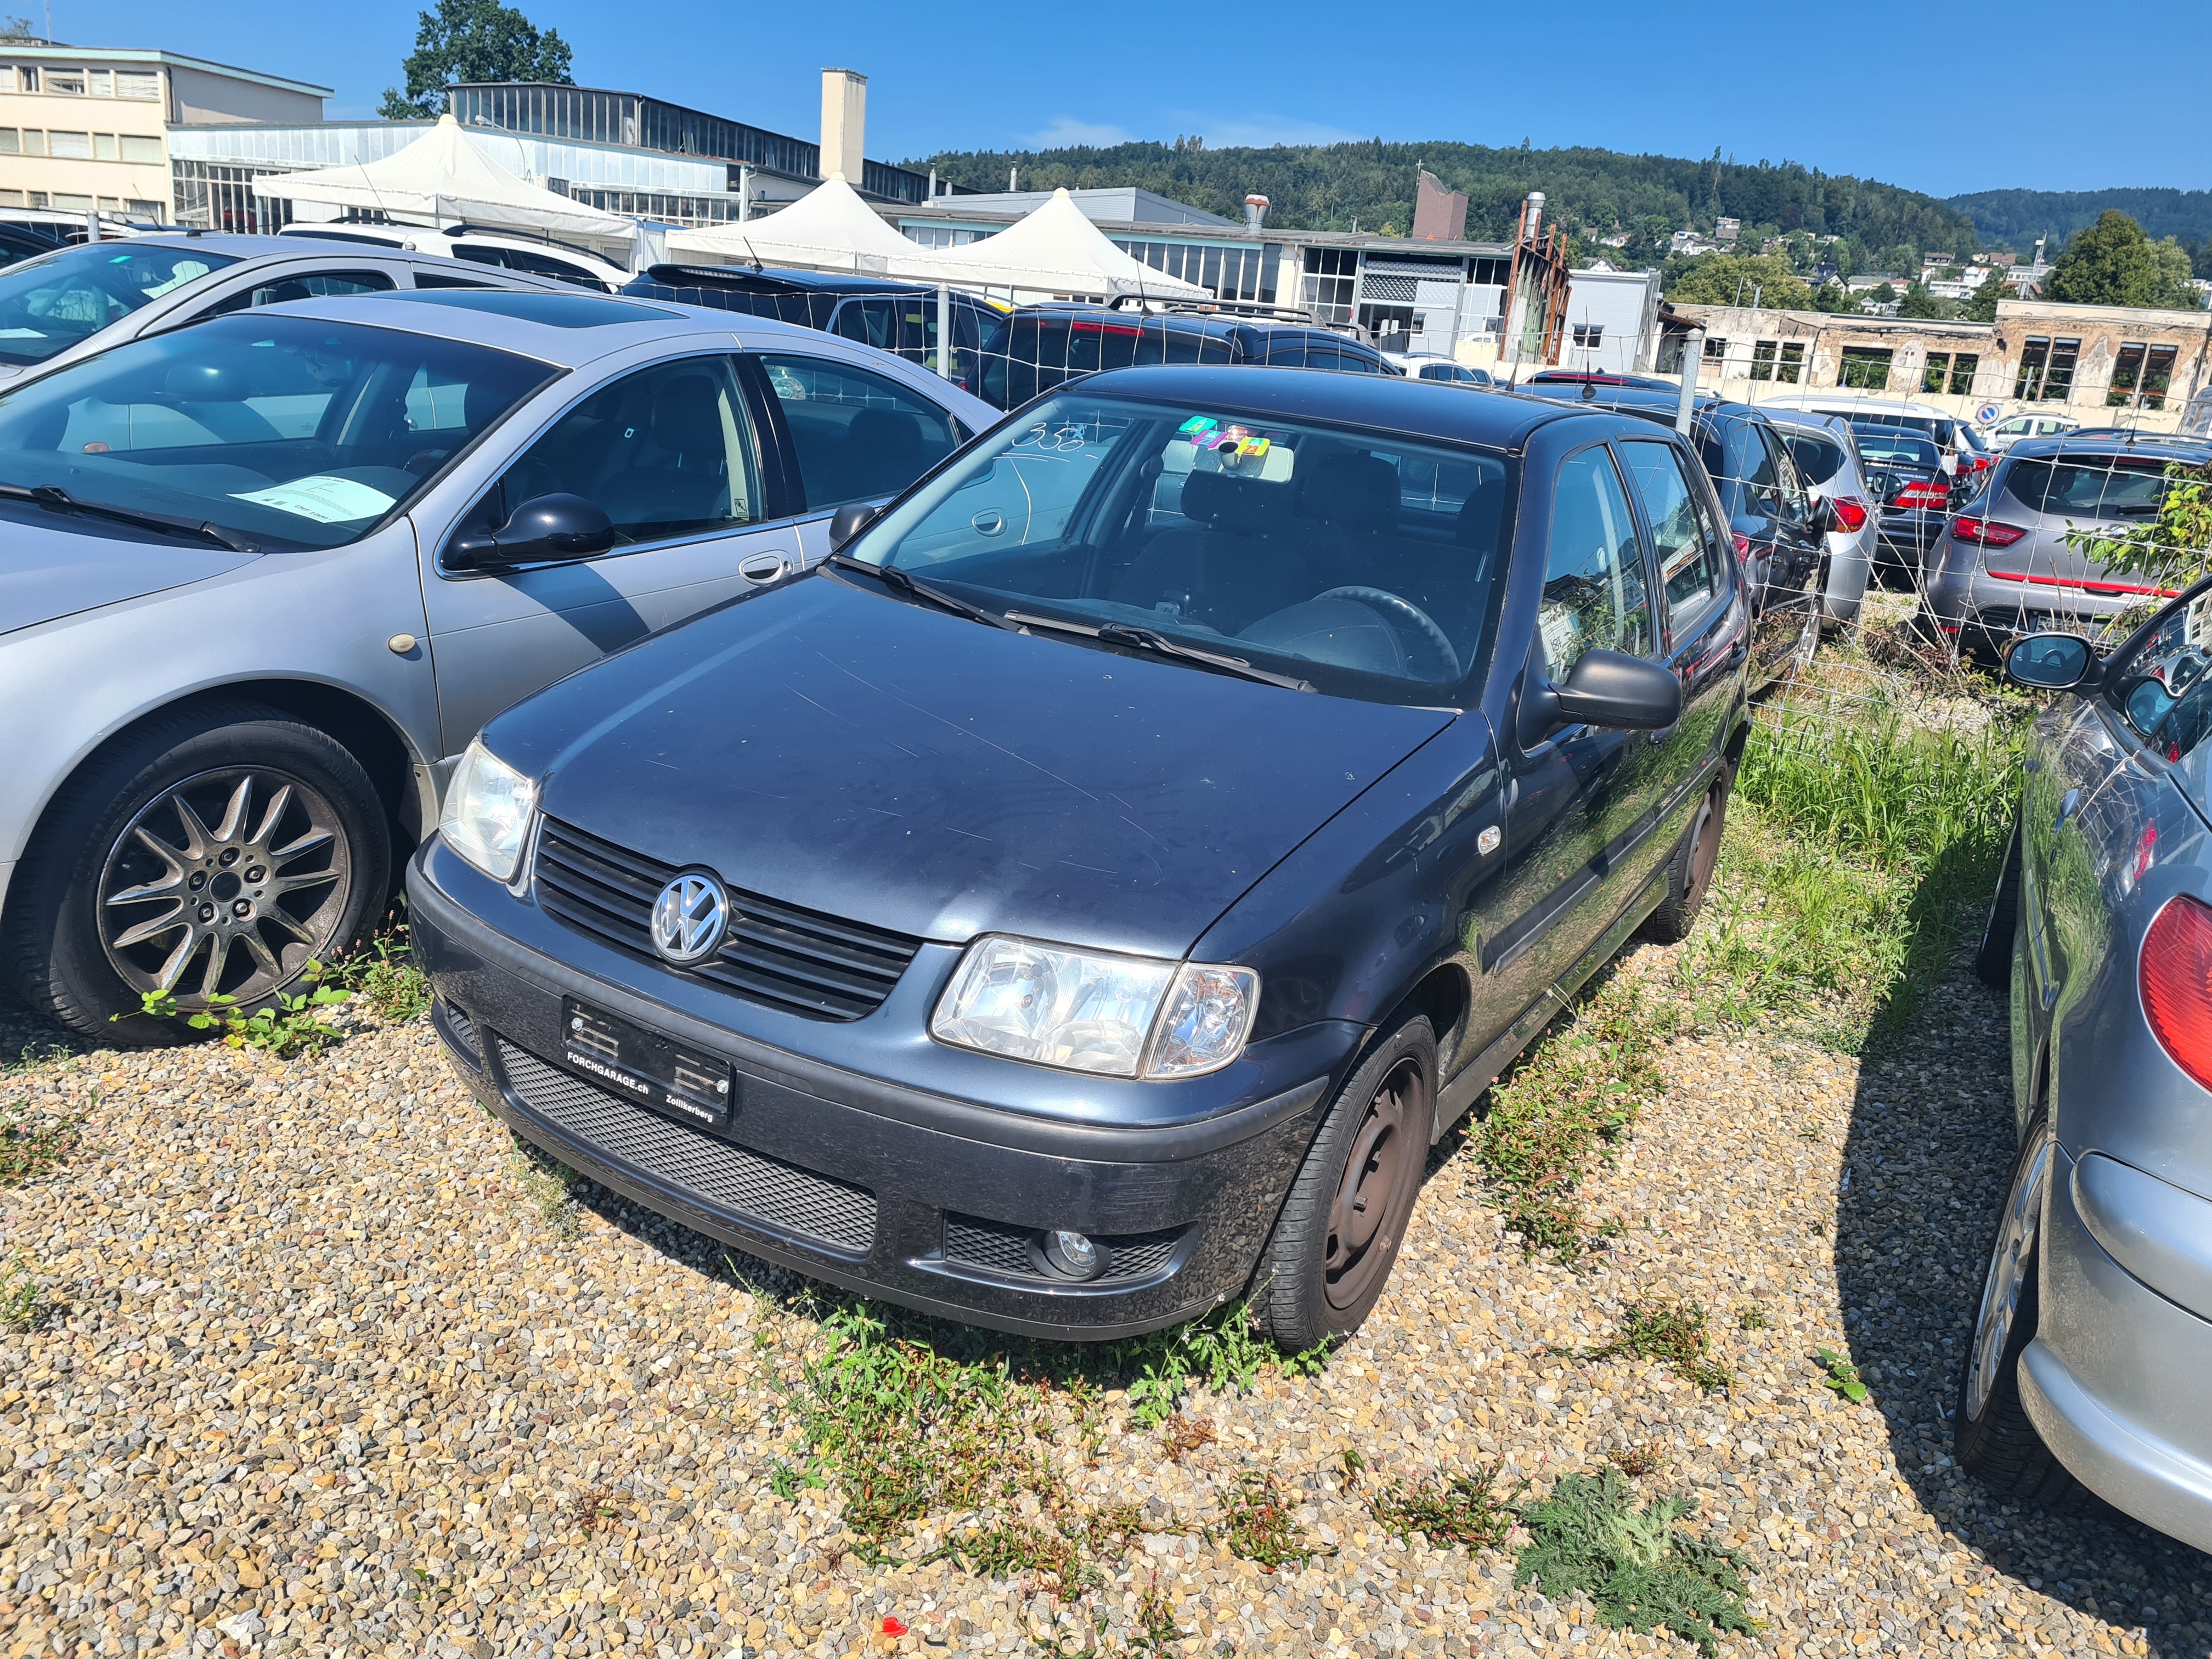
<point x="669" y="451"/>
<point x="1580" y="799"/>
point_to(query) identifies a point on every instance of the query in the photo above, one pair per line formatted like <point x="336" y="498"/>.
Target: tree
<point x="19" y="29"/>
<point x="473" y="40"/>
<point x="1981" y="305"/>
<point x="1727" y="279"/>
<point x="2112" y="263"/>
<point x="1919" y="302"/>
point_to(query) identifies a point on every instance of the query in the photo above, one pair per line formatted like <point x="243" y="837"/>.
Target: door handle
<point x="763" y="567"/>
<point x="2066" y="807"/>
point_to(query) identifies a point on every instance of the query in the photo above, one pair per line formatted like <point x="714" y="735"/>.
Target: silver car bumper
<point x="2119" y="1380"/>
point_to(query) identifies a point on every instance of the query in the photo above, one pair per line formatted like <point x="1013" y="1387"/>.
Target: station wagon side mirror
<point x="849" y="520"/>
<point x="2052" y="662"/>
<point x="542" y="530"/>
<point x="1610" y="688"/>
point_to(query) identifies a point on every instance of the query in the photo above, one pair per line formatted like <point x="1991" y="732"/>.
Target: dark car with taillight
<point x="1089" y="895"/>
<point x="2019" y="556"/>
<point x="1914" y="490"/>
<point x="2091" y="1361"/>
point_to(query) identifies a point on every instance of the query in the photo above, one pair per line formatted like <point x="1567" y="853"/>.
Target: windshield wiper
<point x="55" y="499"/>
<point x="1113" y="633"/>
<point x="900" y="583"/>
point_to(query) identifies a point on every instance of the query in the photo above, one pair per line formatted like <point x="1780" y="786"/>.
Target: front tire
<point x="1690" y="871"/>
<point x="1338" y="1235"/>
<point x="214" y="851"/>
<point x="1995" y="1438"/>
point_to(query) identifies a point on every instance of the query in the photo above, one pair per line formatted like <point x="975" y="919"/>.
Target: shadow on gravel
<point x="1928" y="1153"/>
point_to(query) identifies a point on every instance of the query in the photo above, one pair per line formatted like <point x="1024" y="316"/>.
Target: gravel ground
<point x="318" y="1376"/>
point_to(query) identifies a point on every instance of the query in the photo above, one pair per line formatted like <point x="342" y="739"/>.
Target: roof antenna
<point x="758" y="268"/>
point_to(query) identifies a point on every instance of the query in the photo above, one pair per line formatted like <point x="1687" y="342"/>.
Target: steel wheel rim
<point x="2007" y="1277"/>
<point x="1362" y="1222"/>
<point x="225" y="884"/>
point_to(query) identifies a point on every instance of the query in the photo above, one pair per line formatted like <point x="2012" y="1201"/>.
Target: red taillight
<point x="1850" y="512"/>
<point x="1924" y="492"/>
<point x="1083" y="325"/>
<point x="1742" y="545"/>
<point x="2177" y="985"/>
<point x="1985" y="532"/>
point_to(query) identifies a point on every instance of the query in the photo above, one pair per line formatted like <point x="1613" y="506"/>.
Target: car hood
<point x="49" y="571"/>
<point x="845" y="751"/>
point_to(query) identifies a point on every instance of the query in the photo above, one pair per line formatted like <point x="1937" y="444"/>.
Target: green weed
<point x="1750" y="1317"/>
<point x="1156" y="1630"/>
<point x="288" y="1027"/>
<point x="382" y="972"/>
<point x="21" y="1302"/>
<point x="1460" y="1510"/>
<point x="1223" y="1351"/>
<point x="31" y="1146"/>
<point x="548" y="1187"/>
<point x="1842" y="1376"/>
<point x="1260" y="1525"/>
<point x="1673" y="1333"/>
<point x="1640" y="1570"/>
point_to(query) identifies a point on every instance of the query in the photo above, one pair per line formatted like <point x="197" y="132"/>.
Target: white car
<point x="562" y="261"/>
<point x="2007" y="432"/>
<point x="1964" y="449"/>
<point x="1435" y="366"/>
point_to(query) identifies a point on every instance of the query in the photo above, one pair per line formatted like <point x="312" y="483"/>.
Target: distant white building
<point x="1613" y="320"/>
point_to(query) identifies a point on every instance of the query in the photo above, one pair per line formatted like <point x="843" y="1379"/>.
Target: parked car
<point x="2001" y="565"/>
<point x="1963" y="449"/>
<point x="1582" y="377"/>
<point x="2010" y="430"/>
<point x="25" y="242"/>
<point x="312" y="548"/>
<point x="1043" y="346"/>
<point x="1905" y="470"/>
<point x="2091" y="1361"/>
<point x="1776" y="525"/>
<point x="1069" y="934"/>
<point x="1435" y="366"/>
<point x="74" y="302"/>
<point x="561" y="262"/>
<point x="1826" y="452"/>
<point x="900" y="318"/>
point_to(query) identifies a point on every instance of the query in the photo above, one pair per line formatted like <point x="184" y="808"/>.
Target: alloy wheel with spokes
<point x="225" y="884"/>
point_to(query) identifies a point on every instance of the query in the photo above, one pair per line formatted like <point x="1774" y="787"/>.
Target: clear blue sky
<point x="2033" y="93"/>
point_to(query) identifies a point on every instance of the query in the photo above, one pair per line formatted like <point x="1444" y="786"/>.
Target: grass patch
<point x="1461" y="1510"/>
<point x="291" y="1025"/>
<point x="1639" y="1568"/>
<point x="1260" y="1525"/>
<point x="31" y="1146"/>
<point x="1221" y="1350"/>
<point x="21" y="1299"/>
<point x="383" y="974"/>
<point x="1673" y="1333"/>
<point x="549" y="1187"/>
<point x="1842" y="1376"/>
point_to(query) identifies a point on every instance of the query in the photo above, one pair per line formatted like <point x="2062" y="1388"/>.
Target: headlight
<point x="488" y="811"/>
<point x="1116" y="1016"/>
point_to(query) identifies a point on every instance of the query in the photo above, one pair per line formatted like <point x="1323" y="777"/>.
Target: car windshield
<point x="1818" y="459"/>
<point x="1886" y="447"/>
<point x="1364" y="564"/>
<point x="2087" y="486"/>
<point x="284" y="432"/>
<point x="47" y="305"/>
<point x="1926" y="427"/>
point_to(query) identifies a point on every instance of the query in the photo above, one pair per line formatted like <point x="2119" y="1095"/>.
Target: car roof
<point x="248" y="248"/>
<point x="1416" y="409"/>
<point x="776" y="279"/>
<point x="2165" y="448"/>
<point x="468" y="314"/>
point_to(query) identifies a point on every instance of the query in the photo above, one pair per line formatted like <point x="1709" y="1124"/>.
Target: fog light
<point x="1072" y="1255"/>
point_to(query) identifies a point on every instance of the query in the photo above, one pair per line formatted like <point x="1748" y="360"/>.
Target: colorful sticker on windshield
<point x="1197" y="425"/>
<point x="324" y="499"/>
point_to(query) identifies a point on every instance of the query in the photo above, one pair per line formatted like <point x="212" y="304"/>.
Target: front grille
<point x="748" y="1184"/>
<point x="800" y="960"/>
<point x="999" y="1247"/>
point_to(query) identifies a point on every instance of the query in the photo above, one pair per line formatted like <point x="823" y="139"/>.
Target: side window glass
<point x="1687" y="546"/>
<point x="1790" y="490"/>
<point x="1594" y="588"/>
<point x="318" y="285"/>
<point x="869" y="322"/>
<point x="664" y="451"/>
<point x="858" y="434"/>
<point x="1753" y="463"/>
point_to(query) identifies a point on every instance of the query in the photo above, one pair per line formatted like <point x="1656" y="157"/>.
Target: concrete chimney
<point x="844" y="123"/>
<point x="1255" y="210"/>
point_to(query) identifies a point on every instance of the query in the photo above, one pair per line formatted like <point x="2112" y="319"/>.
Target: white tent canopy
<point x="1055" y="251"/>
<point x="440" y="177"/>
<point x="829" y="229"/>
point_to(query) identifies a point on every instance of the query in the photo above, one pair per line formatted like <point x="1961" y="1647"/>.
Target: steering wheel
<point x="1405" y="611"/>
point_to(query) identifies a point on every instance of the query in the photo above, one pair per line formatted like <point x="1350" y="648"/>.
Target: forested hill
<point x="1328" y="186"/>
<point x="2017" y="217"/>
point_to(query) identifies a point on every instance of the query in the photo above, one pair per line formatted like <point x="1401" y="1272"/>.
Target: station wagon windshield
<point x="1363" y="564"/>
<point x="47" y="305"/>
<point x="276" y="432"/>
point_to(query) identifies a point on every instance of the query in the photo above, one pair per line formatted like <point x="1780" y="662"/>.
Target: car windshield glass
<point x="48" y="305"/>
<point x="285" y="432"/>
<point x="1818" y="459"/>
<point x="1886" y="447"/>
<point x="2163" y="689"/>
<point x="2087" y="486"/>
<point x="1927" y="428"/>
<point x="1363" y="563"/>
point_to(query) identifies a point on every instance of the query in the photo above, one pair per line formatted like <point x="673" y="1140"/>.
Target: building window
<point x="138" y="83"/>
<point x="1331" y="273"/>
<point x="27" y="78"/>
<point x="100" y="83"/>
<point x="144" y="150"/>
<point x="1865" y="368"/>
<point x="142" y="210"/>
<point x="103" y="147"/>
<point x="1589" y="337"/>
<point x="35" y="142"/>
<point x="11" y="198"/>
<point x="1777" y="360"/>
<point x="11" y="143"/>
<point x="2047" y="369"/>
<point x="1949" y="371"/>
<point x="2140" y="373"/>
<point x="72" y="146"/>
<point x="70" y="203"/>
<point x="66" y="80"/>
<point x="1716" y="347"/>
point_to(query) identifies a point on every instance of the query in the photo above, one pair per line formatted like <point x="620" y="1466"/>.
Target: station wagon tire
<point x="1993" y="961"/>
<point x="1690" y="871"/>
<point x="1995" y="1439"/>
<point x="216" y="848"/>
<point x="1339" y="1232"/>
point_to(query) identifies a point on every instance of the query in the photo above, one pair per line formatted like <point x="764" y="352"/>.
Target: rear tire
<point x="1690" y="871"/>
<point x="218" y="845"/>
<point x="1993" y="962"/>
<point x="1338" y="1235"/>
<point x="1995" y="1438"/>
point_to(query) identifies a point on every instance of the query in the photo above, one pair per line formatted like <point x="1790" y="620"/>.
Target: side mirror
<point x="550" y="527"/>
<point x="849" y="520"/>
<point x="1609" y="688"/>
<point x="2052" y="662"/>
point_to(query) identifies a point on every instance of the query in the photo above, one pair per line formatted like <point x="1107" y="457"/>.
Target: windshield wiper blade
<point x="55" y="499"/>
<point x="900" y="583"/>
<point x="1113" y="633"/>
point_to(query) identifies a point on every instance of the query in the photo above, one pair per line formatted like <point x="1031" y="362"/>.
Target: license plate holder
<point x="646" y="1067"/>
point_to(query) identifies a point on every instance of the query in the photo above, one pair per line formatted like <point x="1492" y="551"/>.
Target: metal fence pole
<point x="945" y="329"/>
<point x="1693" y="356"/>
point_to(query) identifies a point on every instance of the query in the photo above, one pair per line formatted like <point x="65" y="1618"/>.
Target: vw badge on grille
<point x="689" y="918"/>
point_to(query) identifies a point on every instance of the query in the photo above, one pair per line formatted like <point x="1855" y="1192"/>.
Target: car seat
<point x="1347" y="504"/>
<point x="1236" y="563"/>
<point x="680" y="475"/>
